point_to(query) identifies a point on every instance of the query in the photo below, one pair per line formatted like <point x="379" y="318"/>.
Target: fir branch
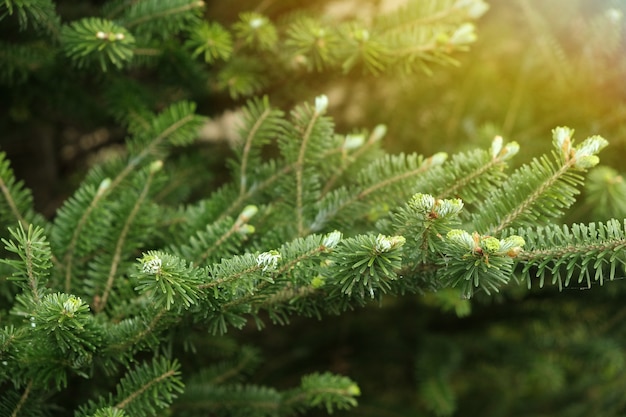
<point x="524" y="206"/>
<point x="120" y="345"/>
<point x="35" y="259"/>
<point x="431" y="13"/>
<point x="143" y="391"/>
<point x="540" y="190"/>
<point x="325" y="390"/>
<point x="166" y="131"/>
<point x="321" y="104"/>
<point x="267" y="182"/>
<point x="229" y="400"/>
<point x="230" y="270"/>
<point x="40" y="13"/>
<point x="23" y="398"/>
<point x="470" y="175"/>
<point x="563" y="250"/>
<point x="149" y="385"/>
<point x="119" y="246"/>
<point x="384" y="176"/>
<point x="298" y="258"/>
<point x="220" y="239"/>
<point x="19" y="200"/>
<point x="252" y="133"/>
<point x="349" y="158"/>
<point x="68" y="258"/>
<point x="170" y="13"/>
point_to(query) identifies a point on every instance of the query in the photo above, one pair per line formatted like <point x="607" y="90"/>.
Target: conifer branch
<point x="119" y="246"/>
<point x="109" y="186"/>
<point x="247" y="146"/>
<point x="223" y="238"/>
<point x="387" y="182"/>
<point x="149" y="329"/>
<point x="9" y="199"/>
<point x="232" y="277"/>
<point x="265" y="184"/>
<point x="282" y="271"/>
<point x="146" y="386"/>
<point x="525" y="205"/>
<point x="299" y="166"/>
<point x="462" y="182"/>
<point x="375" y="136"/>
<point x="23" y="398"/>
<point x="16" y="196"/>
<point x="68" y="258"/>
<point x="430" y="19"/>
<point x="160" y="14"/>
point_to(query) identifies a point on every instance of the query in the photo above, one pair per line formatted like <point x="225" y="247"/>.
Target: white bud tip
<point x="152" y="266"/>
<point x="106" y="183"/>
<point x="496" y="146"/>
<point x="156" y="166"/>
<point x="321" y="104"/>
<point x="438" y="158"/>
<point x="248" y="212"/>
<point x="257" y="22"/>
<point x="332" y="239"/>
<point x="379" y="132"/>
<point x="353" y="142"/>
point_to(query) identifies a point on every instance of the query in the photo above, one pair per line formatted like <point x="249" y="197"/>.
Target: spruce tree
<point x="149" y="289"/>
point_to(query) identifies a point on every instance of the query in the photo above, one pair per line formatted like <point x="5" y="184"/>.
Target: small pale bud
<point x="378" y="133"/>
<point x="247" y="213"/>
<point x="101" y="35"/>
<point x="156" y="166"/>
<point x="106" y="183"/>
<point x="461" y="238"/>
<point x="268" y="260"/>
<point x="475" y="8"/>
<point x="388" y="243"/>
<point x="332" y="239"/>
<point x="490" y="244"/>
<point x="246" y="230"/>
<point x="463" y="35"/>
<point x="438" y="159"/>
<point x="362" y="35"/>
<point x="562" y="139"/>
<point x="257" y="22"/>
<point x="71" y="306"/>
<point x="424" y="203"/>
<point x="318" y="282"/>
<point x="353" y="142"/>
<point x="119" y="36"/>
<point x="591" y="146"/>
<point x="496" y="146"/>
<point x="510" y="149"/>
<point x="448" y="207"/>
<point x="321" y="104"/>
<point x="587" y="162"/>
<point x="151" y="265"/>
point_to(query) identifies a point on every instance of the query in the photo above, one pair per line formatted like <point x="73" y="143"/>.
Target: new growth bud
<point x="268" y="260"/>
<point x="71" y="306"/>
<point x="378" y="133"/>
<point x="321" y="104"/>
<point x="332" y="239"/>
<point x="388" y="243"/>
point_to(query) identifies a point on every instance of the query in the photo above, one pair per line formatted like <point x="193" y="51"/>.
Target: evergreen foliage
<point x="128" y="302"/>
